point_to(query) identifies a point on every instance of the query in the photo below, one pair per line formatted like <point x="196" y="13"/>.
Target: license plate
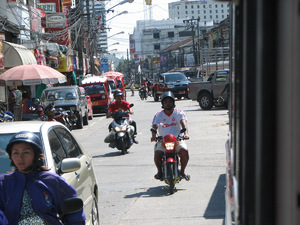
<point x="95" y="103"/>
<point x="181" y="92"/>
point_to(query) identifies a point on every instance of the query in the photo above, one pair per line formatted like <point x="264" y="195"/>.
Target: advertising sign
<point x="56" y="20"/>
<point x="47" y="7"/>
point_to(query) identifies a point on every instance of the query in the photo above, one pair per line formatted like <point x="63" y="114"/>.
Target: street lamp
<point x="120" y="3"/>
<point x="124" y="12"/>
<point x="113" y="44"/>
<point x="122" y="32"/>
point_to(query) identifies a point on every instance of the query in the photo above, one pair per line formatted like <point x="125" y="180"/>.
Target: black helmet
<point x="118" y="92"/>
<point x="167" y="94"/>
<point x="28" y="137"/>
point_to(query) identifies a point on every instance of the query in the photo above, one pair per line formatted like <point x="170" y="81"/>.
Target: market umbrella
<point x="113" y="73"/>
<point x="31" y="75"/>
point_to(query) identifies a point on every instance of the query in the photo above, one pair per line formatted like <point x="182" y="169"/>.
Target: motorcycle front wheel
<point x="170" y="174"/>
<point x="122" y="146"/>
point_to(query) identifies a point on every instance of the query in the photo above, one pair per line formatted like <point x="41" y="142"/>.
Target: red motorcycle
<point x="170" y="170"/>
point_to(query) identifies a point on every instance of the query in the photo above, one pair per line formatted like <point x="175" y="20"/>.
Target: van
<point x="98" y="88"/>
<point x="118" y="79"/>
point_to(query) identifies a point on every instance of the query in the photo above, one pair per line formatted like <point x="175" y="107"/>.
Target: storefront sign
<point x="47" y="7"/>
<point x="56" y="20"/>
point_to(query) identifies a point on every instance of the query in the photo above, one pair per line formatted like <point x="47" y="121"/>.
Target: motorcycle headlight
<point x="169" y="145"/>
<point x="117" y="129"/>
<point x="124" y="128"/>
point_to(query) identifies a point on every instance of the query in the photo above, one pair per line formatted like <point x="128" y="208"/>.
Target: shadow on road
<point x="158" y="191"/>
<point x="109" y="154"/>
<point x="216" y="206"/>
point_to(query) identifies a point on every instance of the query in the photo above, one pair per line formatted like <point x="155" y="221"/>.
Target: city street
<point x="128" y="192"/>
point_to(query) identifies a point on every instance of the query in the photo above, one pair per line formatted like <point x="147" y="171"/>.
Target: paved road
<point x="128" y="193"/>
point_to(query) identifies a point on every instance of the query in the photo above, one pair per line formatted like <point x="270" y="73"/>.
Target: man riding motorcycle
<point x="120" y="104"/>
<point x="170" y="121"/>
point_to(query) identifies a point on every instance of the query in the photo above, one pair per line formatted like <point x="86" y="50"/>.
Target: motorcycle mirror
<point x="71" y="205"/>
<point x="131" y="105"/>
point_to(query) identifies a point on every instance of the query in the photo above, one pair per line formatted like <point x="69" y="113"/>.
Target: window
<point x="71" y="147"/>
<point x="216" y="11"/>
<point x="177" y="7"/>
<point x="155" y="35"/>
<point x="204" y="17"/>
<point x="192" y="6"/>
<point x="58" y="152"/>
<point x="198" y="6"/>
<point x="203" y="6"/>
<point x="192" y="12"/>
<point x="170" y="34"/>
<point x="204" y="11"/>
<point x="198" y="11"/>
<point x="210" y="16"/>
<point x="222" y="11"/>
<point x="156" y="46"/>
<point x="210" y="11"/>
<point x="216" y="6"/>
<point x="217" y="16"/>
<point x="221" y="77"/>
<point x="222" y="16"/>
<point x="186" y="12"/>
<point x="221" y="5"/>
<point x="186" y="7"/>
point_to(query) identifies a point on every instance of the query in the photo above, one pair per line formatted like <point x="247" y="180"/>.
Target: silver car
<point x="63" y="155"/>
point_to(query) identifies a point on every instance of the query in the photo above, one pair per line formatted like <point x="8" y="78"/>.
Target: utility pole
<point x="191" y="23"/>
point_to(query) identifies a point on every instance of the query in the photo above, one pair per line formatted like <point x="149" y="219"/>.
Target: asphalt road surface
<point x="128" y="192"/>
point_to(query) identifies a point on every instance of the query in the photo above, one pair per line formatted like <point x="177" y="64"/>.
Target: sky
<point x="127" y="22"/>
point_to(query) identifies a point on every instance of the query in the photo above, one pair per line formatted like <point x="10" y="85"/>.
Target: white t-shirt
<point x="169" y="124"/>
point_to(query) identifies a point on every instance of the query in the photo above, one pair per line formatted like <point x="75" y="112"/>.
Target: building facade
<point x="208" y="11"/>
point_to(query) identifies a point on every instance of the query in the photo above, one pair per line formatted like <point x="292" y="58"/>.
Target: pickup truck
<point x="68" y="97"/>
<point x="175" y="82"/>
<point x="207" y="93"/>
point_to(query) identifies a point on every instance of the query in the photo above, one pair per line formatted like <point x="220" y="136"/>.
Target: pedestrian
<point x="170" y="121"/>
<point x="12" y="98"/>
<point x="18" y="94"/>
<point x="31" y="194"/>
<point x="25" y="106"/>
<point x="131" y="86"/>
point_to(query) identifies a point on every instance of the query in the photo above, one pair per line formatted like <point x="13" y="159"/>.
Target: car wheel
<point x="79" y="123"/>
<point x="85" y="118"/>
<point x="94" y="213"/>
<point x="205" y="101"/>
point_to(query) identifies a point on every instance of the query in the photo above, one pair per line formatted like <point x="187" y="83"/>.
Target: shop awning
<point x="16" y="55"/>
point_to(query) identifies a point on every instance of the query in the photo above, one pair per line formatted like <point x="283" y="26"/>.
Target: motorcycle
<point x="170" y="170"/>
<point x="143" y="93"/>
<point x="121" y="132"/>
<point x="58" y="114"/>
<point x="5" y="116"/>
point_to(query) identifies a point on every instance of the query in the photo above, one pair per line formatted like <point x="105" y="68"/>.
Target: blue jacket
<point x="47" y="192"/>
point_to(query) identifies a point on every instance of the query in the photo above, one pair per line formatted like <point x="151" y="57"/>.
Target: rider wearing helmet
<point x="120" y="104"/>
<point x="170" y="121"/>
<point x="31" y="194"/>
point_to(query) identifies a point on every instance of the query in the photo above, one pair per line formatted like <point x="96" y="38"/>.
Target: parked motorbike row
<point x="5" y="116"/>
<point x="50" y="113"/>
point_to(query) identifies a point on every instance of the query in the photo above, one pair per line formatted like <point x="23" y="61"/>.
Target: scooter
<point x="120" y="135"/>
<point x="170" y="163"/>
<point x="143" y="93"/>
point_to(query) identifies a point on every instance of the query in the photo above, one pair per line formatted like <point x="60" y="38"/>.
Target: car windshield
<point x="4" y="158"/>
<point x="59" y="94"/>
<point x="112" y="84"/>
<point x="94" y="89"/>
<point x="120" y="85"/>
<point x="175" y="77"/>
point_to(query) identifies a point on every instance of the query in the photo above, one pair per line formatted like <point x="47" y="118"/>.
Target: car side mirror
<point x="70" y="165"/>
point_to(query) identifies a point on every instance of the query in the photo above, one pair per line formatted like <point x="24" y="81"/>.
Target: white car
<point x="63" y="155"/>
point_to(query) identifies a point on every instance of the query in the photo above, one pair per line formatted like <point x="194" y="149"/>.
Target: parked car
<point x="89" y="103"/>
<point x="175" y="82"/>
<point x="68" y="97"/>
<point x="60" y="149"/>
